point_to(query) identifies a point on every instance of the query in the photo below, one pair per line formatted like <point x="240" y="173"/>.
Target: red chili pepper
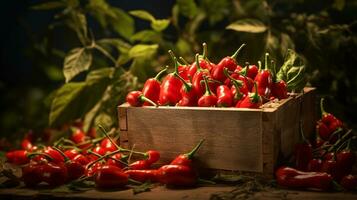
<point x="228" y="62"/>
<point x="314" y="165"/>
<point x="345" y="160"/>
<point x="136" y="99"/>
<point x="78" y="135"/>
<point x="237" y="88"/>
<point x="224" y="96"/>
<point x="151" y="89"/>
<point x="349" y="182"/>
<point x="143" y="175"/>
<point x="203" y="63"/>
<point x="252" y="100"/>
<point x="32" y="174"/>
<point x="113" y="160"/>
<point x="330" y="167"/>
<point x="264" y="80"/>
<point x="54" y="174"/>
<point x="109" y="177"/>
<point x="198" y="78"/>
<point x="98" y="150"/>
<point x="303" y="152"/>
<point x="54" y="154"/>
<point x="18" y="157"/>
<point x="186" y="159"/>
<point x="71" y="153"/>
<point x="279" y="90"/>
<point x="177" y="175"/>
<point x="209" y="99"/>
<point x="92" y="170"/>
<point x="153" y="156"/>
<point x="293" y="178"/>
<point x="251" y="71"/>
<point x="107" y="145"/>
<point x="140" y="164"/>
<point x="183" y="69"/>
<point x="328" y="123"/>
<point x="26" y="144"/>
<point x="83" y="160"/>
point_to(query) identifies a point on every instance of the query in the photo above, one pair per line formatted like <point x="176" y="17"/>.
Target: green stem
<point x="158" y="75"/>
<point x="187" y="86"/>
<point x="194" y="150"/>
<point x="208" y="90"/>
<point x="105" y="53"/>
<point x="184" y="61"/>
<point x="266" y="61"/>
<point x="175" y="62"/>
<point x="323" y="112"/>
<point x="204" y="54"/>
<point x="255" y="96"/>
<point x="30" y="155"/>
<point x="340" y="140"/>
<point x="143" y="98"/>
<point x="197" y="62"/>
<point x="66" y="159"/>
<point x="58" y="141"/>
<point x="260" y="65"/>
<point x="234" y="56"/>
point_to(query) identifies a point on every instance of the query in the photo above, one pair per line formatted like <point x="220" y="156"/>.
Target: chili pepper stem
<point x="184" y="61"/>
<point x="158" y="75"/>
<point x="134" y="181"/>
<point x="323" y="112"/>
<point x="260" y="65"/>
<point x="66" y="159"/>
<point x="143" y="98"/>
<point x="195" y="149"/>
<point x="255" y="97"/>
<point x="197" y="62"/>
<point x="237" y="51"/>
<point x="175" y="63"/>
<point x="340" y="140"/>
<point x="266" y="66"/>
<point x="208" y="90"/>
<point x="204" y="54"/>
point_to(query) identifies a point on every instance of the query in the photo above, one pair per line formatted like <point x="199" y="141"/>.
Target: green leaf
<point x="142" y="68"/>
<point x="49" y="5"/>
<point x="215" y="10"/>
<point x="339" y="4"/>
<point x="75" y="62"/>
<point x="293" y="71"/>
<point x="160" y="24"/>
<point x="97" y="75"/>
<point x="119" y="44"/>
<point x="143" y="50"/>
<point x="248" y="25"/>
<point x="187" y="8"/>
<point x="142" y="14"/>
<point x="123" y="23"/>
<point x="145" y="187"/>
<point x="146" y="36"/>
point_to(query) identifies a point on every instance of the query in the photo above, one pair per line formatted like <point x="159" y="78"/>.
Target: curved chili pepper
<point x="202" y="63"/>
<point x="228" y="62"/>
<point x="328" y="123"/>
<point x="224" y="96"/>
<point x="279" y="90"/>
<point x="143" y="175"/>
<point x="177" y="175"/>
<point x="198" y="78"/>
<point x="264" y="80"/>
<point x="153" y="156"/>
<point x="109" y="177"/>
<point x="98" y="150"/>
<point x="78" y="135"/>
<point x="18" y="157"/>
<point x="209" y="99"/>
<point x="303" y="152"/>
<point x="170" y="88"/>
<point x="293" y="178"/>
<point x="349" y="182"/>
<point x="136" y="98"/>
<point x="186" y="159"/>
<point x="151" y="89"/>
<point x="252" y="100"/>
<point x="107" y="145"/>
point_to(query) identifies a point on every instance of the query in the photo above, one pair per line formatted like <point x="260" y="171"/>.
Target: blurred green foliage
<point x="105" y="56"/>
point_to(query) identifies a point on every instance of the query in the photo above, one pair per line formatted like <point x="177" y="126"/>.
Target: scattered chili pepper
<point x="209" y="99"/>
<point x="349" y="182"/>
<point x="153" y="156"/>
<point x="54" y="174"/>
<point x="140" y="164"/>
<point x="114" y="160"/>
<point x="328" y="123"/>
<point x="32" y="174"/>
<point x="345" y="160"/>
<point x="151" y="89"/>
<point x="293" y="178"/>
<point x="109" y="177"/>
<point x="186" y="159"/>
<point x="177" y="175"/>
<point x="136" y="98"/>
<point x="18" y="157"/>
<point x="71" y="153"/>
<point x="143" y="175"/>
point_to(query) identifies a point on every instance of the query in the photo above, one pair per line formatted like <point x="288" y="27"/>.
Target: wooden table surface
<point x="163" y="193"/>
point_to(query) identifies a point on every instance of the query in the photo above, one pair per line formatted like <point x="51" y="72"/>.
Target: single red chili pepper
<point x="198" y="78"/>
<point x="136" y="99"/>
<point x="322" y="130"/>
<point x="224" y="96"/>
<point x="186" y="159"/>
<point x="143" y="175"/>
<point x="209" y="99"/>
<point x="151" y="89"/>
<point x="107" y="145"/>
<point x="237" y="88"/>
<point x="170" y="88"/>
<point x="328" y="123"/>
<point x="264" y="80"/>
<point x="177" y="175"/>
<point x="293" y="178"/>
<point x="203" y="63"/>
<point x="153" y="156"/>
<point x="279" y="90"/>
<point x="54" y="154"/>
<point x="251" y="71"/>
<point x="314" y="165"/>
<point x="18" y="157"/>
<point x="113" y="160"/>
<point x="78" y="135"/>
<point x="228" y="62"/>
<point x="349" y="182"/>
<point x="140" y="164"/>
<point x="109" y="177"/>
<point x="303" y="152"/>
<point x="252" y="100"/>
<point x="71" y="153"/>
<point x="32" y="174"/>
<point x="345" y="160"/>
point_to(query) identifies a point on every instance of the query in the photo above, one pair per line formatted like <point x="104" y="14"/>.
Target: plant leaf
<point x="215" y="10"/>
<point x="145" y="187"/>
<point x="143" y="50"/>
<point x="248" y="25"/>
<point x="142" y="14"/>
<point x="146" y="36"/>
<point x="97" y="75"/>
<point x="187" y="8"/>
<point x="49" y="5"/>
<point x="123" y="23"/>
<point x="75" y="62"/>
<point x="160" y="24"/>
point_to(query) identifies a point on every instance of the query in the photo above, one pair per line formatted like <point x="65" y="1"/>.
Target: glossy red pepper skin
<point x="110" y="177"/>
<point x="18" y="157"/>
<point x="264" y="83"/>
<point x="328" y="123"/>
<point x="153" y="156"/>
<point x="92" y="170"/>
<point x="209" y="99"/>
<point x="137" y="99"/>
<point x="117" y="156"/>
<point x="228" y="62"/>
<point x="177" y="175"/>
<point x="151" y="88"/>
<point x="71" y="153"/>
<point x="197" y="78"/>
<point x="83" y="160"/>
<point x="189" y="96"/>
<point x="107" y="145"/>
<point x="330" y="167"/>
<point x="78" y="136"/>
<point x="98" y="150"/>
<point x="345" y="160"/>
<point x="143" y="175"/>
<point x="279" y="90"/>
<point x="224" y="96"/>
<point x="170" y="89"/>
<point x="54" y="174"/>
<point x="32" y="174"/>
<point x="292" y="178"/>
<point x="26" y="144"/>
<point x="75" y="170"/>
<point x="186" y="159"/>
<point x="140" y="164"/>
<point x="54" y="154"/>
<point x="349" y="182"/>
<point x="252" y="100"/>
<point x="314" y="165"/>
<point x="252" y="71"/>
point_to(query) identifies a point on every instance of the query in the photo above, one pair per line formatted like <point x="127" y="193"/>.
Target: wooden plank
<point x="232" y="138"/>
<point x="123" y="123"/>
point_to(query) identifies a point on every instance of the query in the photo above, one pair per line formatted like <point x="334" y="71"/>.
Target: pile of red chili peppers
<point x="206" y="84"/>
<point x="324" y="162"/>
<point x="101" y="160"/>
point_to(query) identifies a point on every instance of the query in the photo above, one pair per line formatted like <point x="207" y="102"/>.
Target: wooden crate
<point x="246" y="140"/>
